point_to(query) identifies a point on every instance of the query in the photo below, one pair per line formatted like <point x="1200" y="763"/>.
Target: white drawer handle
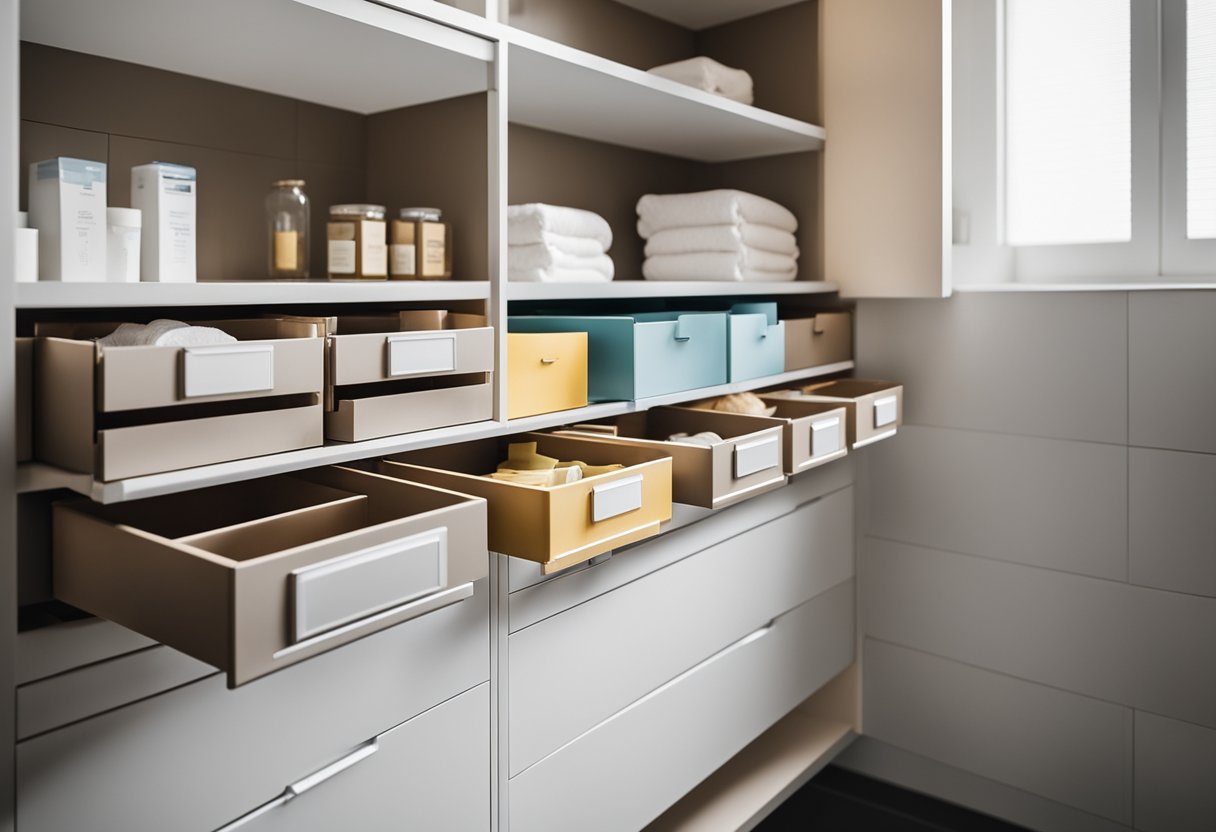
<point x="612" y="499"/>
<point x="885" y="410"/>
<point x="758" y="455"/>
<point x="227" y="370"/>
<point x="302" y="785"/>
<point x="826" y="437"/>
<point x="346" y="589"/>
<point x="414" y="354"/>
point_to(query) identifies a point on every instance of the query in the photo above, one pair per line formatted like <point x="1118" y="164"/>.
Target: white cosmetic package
<point x="122" y="245"/>
<point x="25" y="269"/>
<point x="167" y="196"/>
<point x="68" y="207"/>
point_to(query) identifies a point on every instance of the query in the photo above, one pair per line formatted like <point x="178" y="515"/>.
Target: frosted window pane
<point x="1201" y="119"/>
<point x="1068" y="121"/>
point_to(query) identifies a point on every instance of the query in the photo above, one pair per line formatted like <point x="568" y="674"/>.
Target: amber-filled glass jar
<point x="421" y="245"/>
<point x="287" y="229"/>
<point x="355" y="246"/>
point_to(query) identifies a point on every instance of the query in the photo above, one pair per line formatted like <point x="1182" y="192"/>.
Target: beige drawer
<point x="815" y="432"/>
<point x="747" y="463"/>
<point x="631" y="767"/>
<point x="255" y="576"/>
<point x="25" y="399"/>
<point x="824" y="338"/>
<point x="118" y="412"/>
<point x="876" y="408"/>
<point x="546" y="372"/>
<point x="559" y="526"/>
<point x="407" y="372"/>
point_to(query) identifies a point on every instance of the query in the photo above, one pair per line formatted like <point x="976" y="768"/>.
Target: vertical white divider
<point x="496" y="122"/>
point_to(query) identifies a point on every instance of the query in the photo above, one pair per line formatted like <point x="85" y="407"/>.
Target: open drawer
<point x="557" y="526"/>
<point x="117" y="412"/>
<point x="255" y="576"/>
<point x="408" y="371"/>
<point x="747" y="462"/>
<point x="815" y="432"/>
<point x="875" y="408"/>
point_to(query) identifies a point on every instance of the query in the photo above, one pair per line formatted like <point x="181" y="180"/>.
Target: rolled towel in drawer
<point x="657" y="212"/>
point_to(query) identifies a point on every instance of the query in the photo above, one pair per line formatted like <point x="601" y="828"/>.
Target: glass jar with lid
<point x="287" y="218"/>
<point x="355" y="244"/>
<point x="421" y="245"/>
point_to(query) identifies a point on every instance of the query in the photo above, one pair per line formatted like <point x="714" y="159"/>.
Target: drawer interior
<point x="661" y="423"/>
<point x="848" y="388"/>
<point x="482" y="457"/>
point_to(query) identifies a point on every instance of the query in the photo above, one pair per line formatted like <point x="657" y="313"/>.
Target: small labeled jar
<point x="421" y="245"/>
<point x="356" y="242"/>
<point x="287" y="229"/>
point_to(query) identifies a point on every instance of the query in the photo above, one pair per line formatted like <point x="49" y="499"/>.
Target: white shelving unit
<point x="625" y="289"/>
<point x="51" y="295"/>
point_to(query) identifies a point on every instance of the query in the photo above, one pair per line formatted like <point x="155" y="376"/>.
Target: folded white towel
<point x="719" y="266"/>
<point x="556" y="274"/>
<point x="659" y="212"/>
<point x="711" y="76"/>
<point x="537" y="256"/>
<point x="165" y="333"/>
<point x="529" y="223"/>
<point x="728" y="238"/>
<point x="578" y="246"/>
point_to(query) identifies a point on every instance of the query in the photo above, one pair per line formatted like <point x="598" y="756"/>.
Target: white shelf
<point x="350" y="54"/>
<point x="705" y="13"/>
<point x="555" y="87"/>
<point x="661" y="289"/>
<point x="36" y="476"/>
<point x="55" y="295"/>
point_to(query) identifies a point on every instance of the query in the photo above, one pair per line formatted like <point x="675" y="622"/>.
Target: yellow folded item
<point x="525" y="466"/>
<point x="522" y="456"/>
<point x="542" y="479"/>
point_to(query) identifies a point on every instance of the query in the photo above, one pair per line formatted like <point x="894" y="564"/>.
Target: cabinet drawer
<point x="432" y="773"/>
<point x="574" y="670"/>
<point x="875" y="408"/>
<point x="648" y="354"/>
<point x="748" y="462"/>
<point x="255" y="576"/>
<point x="194" y="758"/>
<point x="629" y="768"/>
<point x="757" y="341"/>
<point x="546" y="372"/>
<point x="562" y="525"/>
<point x="815" y="432"/>
<point x="825" y="338"/>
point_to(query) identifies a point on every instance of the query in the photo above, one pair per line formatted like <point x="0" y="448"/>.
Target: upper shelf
<point x="350" y="54"/>
<point x="555" y="87"/>
<point x="55" y="295"/>
<point x="626" y="289"/>
<point x="705" y="13"/>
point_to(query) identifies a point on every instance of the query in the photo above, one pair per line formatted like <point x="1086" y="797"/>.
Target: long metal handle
<point x="302" y="785"/>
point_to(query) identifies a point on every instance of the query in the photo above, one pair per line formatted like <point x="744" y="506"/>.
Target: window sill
<point x="1160" y="285"/>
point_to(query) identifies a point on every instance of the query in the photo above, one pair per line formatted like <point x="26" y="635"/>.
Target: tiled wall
<point x="1038" y="565"/>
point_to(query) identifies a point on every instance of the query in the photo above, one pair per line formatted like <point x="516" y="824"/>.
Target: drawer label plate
<point x="412" y="355"/>
<point x="757" y="455"/>
<point x="227" y="370"/>
<point x="826" y="437"/>
<point x="615" y="498"/>
<point x="885" y="410"/>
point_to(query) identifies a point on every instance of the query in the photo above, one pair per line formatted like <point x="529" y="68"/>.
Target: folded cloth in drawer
<point x="728" y="238"/>
<point x="529" y="223"/>
<point x="657" y="212"/>
<point x="750" y="266"/>
<point x="165" y="333"/>
<point x="709" y="75"/>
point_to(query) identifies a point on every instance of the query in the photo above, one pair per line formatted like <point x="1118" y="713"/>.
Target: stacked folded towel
<point x="555" y="244"/>
<point x="711" y="76"/>
<point x="717" y="235"/>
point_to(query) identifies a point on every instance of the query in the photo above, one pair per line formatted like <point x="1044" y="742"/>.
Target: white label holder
<point x="615" y="498"/>
<point x="757" y="455"/>
<point x="417" y="354"/>
<point x="227" y="370"/>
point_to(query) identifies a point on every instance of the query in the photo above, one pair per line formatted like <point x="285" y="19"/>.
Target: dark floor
<point x="840" y="801"/>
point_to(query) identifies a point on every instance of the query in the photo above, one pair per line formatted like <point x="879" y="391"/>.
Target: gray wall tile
<point x="1175" y="776"/>
<point x="1172" y="520"/>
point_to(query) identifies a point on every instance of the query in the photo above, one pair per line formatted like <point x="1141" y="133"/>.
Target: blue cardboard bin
<point x="757" y="341"/>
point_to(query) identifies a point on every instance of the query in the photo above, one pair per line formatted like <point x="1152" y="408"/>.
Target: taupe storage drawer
<point x="748" y="462"/>
<point x="255" y="576"/>
<point x="876" y="408"/>
<point x="815" y="432"/>
<point x="631" y="767"/>
<point x="118" y="412"/>
<point x="431" y="773"/>
<point x="194" y="758"/>
<point x="564" y="524"/>
<point x="823" y="338"/>
<point x="414" y="370"/>
<point x="599" y="657"/>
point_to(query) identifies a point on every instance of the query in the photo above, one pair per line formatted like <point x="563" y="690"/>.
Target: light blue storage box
<point x="757" y="341"/>
<point x="646" y="354"/>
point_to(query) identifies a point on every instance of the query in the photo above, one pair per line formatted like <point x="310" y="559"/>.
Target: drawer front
<point x="571" y="671"/>
<point x="757" y="348"/>
<point x="139" y="768"/>
<point x="679" y="355"/>
<point x="826" y="338"/>
<point x="360" y="359"/>
<point x="431" y="773"/>
<point x="546" y="372"/>
<point x="631" y="767"/>
<point x="876" y="408"/>
<point x="358" y="419"/>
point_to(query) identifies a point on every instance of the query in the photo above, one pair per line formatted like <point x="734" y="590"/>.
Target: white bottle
<point x="122" y="245"/>
<point x="68" y="207"/>
<point x="26" y="263"/>
<point x="167" y="196"/>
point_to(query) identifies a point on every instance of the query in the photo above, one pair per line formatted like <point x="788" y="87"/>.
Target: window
<point x="1201" y="119"/>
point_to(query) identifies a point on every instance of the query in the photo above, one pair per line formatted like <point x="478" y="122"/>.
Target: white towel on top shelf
<point x="530" y="223"/>
<point x="539" y="256"/>
<point x="720" y="266"/>
<point x="659" y="212"/>
<point x="575" y="246"/>
<point x="709" y="75"/>
<point x="727" y="238"/>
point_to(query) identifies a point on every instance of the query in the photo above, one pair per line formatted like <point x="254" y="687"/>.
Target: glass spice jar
<point x="287" y="218"/>
<point x="356" y="242"/>
<point x="421" y="245"/>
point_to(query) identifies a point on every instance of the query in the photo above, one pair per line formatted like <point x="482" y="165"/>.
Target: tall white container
<point x="167" y="196"/>
<point x="25" y="268"/>
<point x="68" y="207"/>
<point x="122" y="244"/>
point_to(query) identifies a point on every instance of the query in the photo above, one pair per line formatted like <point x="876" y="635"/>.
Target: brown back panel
<point x="605" y="28"/>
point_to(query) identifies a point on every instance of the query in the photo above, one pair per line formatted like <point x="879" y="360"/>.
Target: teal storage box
<point x="757" y="341"/>
<point x="635" y="356"/>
